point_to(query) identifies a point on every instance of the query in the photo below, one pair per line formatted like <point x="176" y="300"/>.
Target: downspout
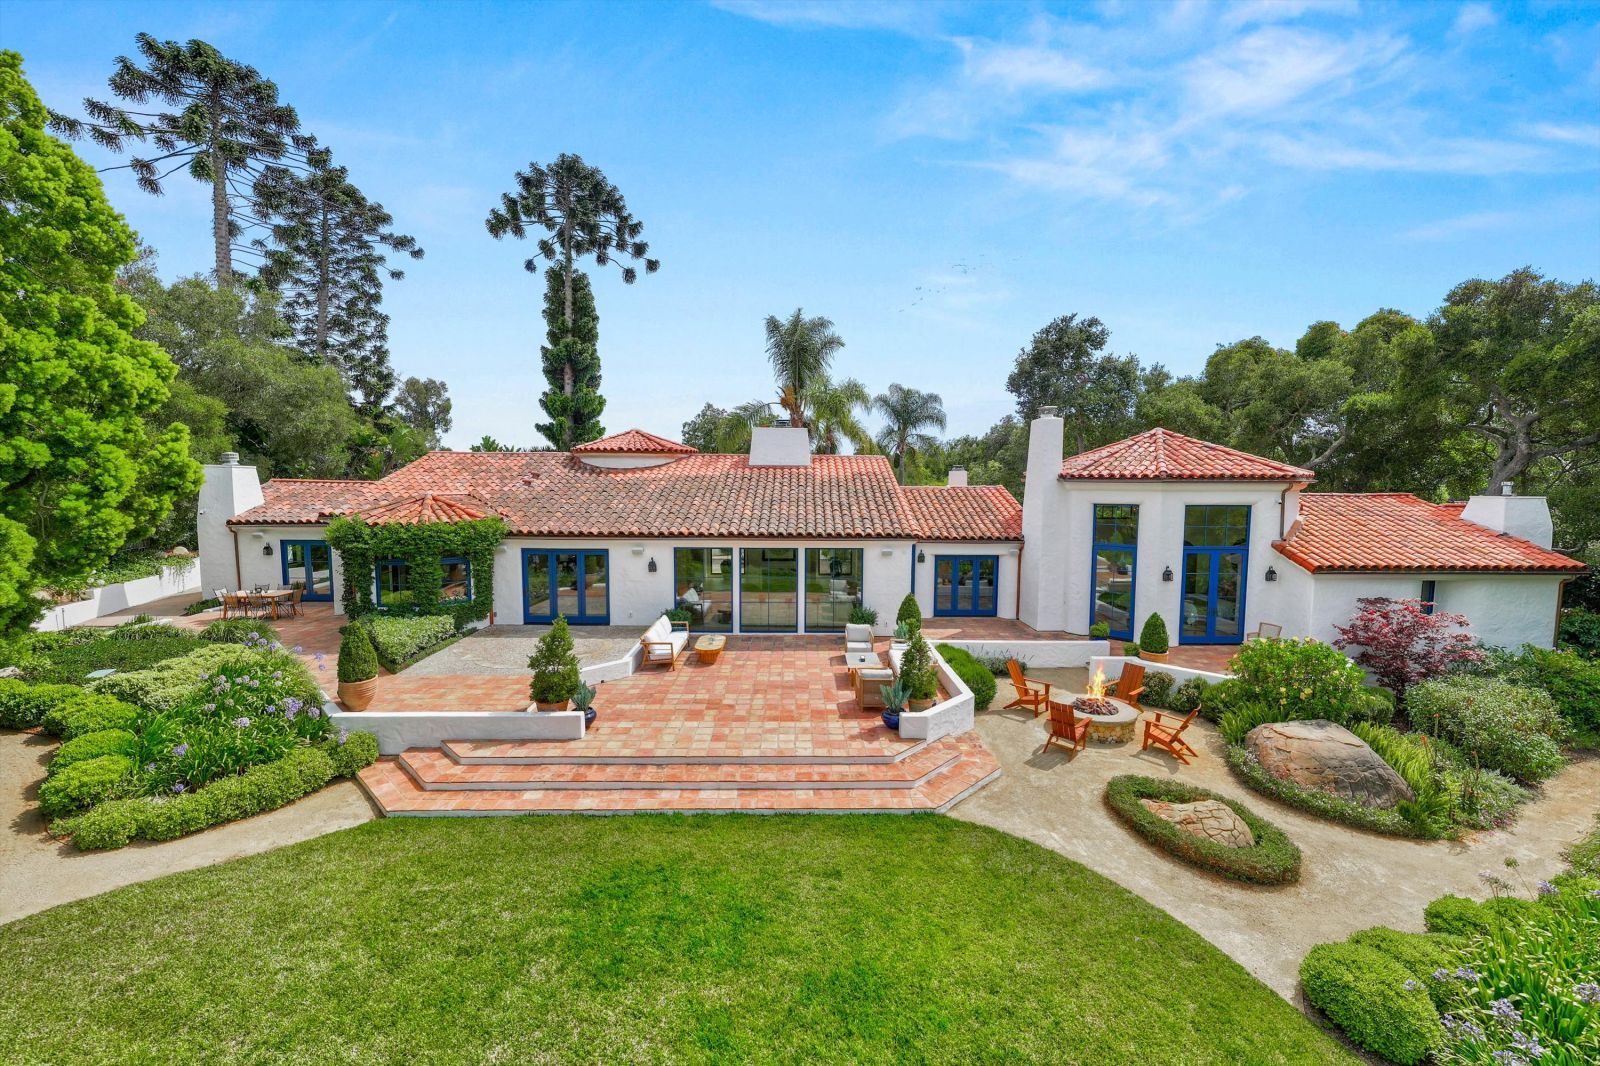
<point x="1561" y="605"/>
<point x="1016" y="611"/>
<point x="1283" y="511"/>
<point x="914" y="571"/>
<point x="238" y="573"/>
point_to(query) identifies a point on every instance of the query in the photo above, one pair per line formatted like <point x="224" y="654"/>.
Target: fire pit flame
<point x="1095" y="702"/>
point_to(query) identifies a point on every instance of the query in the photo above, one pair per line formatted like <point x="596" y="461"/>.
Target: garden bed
<point x="1273" y="860"/>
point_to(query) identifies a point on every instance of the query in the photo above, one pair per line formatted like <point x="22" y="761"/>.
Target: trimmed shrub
<point x="1220" y="698"/>
<point x="261" y="788"/>
<point x="1422" y="954"/>
<point x="555" y="668"/>
<point x="1189" y="695"/>
<point x="1304" y="678"/>
<point x="92" y="746"/>
<point x="1100" y="631"/>
<point x="1507" y="728"/>
<point x="238" y="631"/>
<point x="1458" y="916"/>
<point x="89" y="712"/>
<point x="400" y="641"/>
<point x="910" y="612"/>
<point x="125" y="649"/>
<point x="1274" y="860"/>
<point x="1157" y="690"/>
<point x="353" y="753"/>
<point x="916" y="669"/>
<point x="357" y="659"/>
<point x="863" y="616"/>
<point x="83" y="784"/>
<point x="1570" y="679"/>
<point x="1366" y="993"/>
<point x="977" y="676"/>
<point x="1153" y="637"/>
<point x="1322" y="804"/>
<point x="163" y="687"/>
<point x="23" y="706"/>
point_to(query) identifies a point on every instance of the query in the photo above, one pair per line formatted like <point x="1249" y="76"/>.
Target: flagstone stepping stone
<point x="1208" y="819"/>
<point x="1322" y="755"/>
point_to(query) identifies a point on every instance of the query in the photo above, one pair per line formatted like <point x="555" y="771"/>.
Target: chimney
<point x="958" y="477"/>
<point x="1046" y="435"/>
<point x="1045" y="522"/>
<point x="780" y="446"/>
<point x="228" y="489"/>
<point x="1527" y="517"/>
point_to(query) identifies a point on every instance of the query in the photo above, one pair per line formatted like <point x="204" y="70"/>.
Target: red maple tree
<point x="1402" y="644"/>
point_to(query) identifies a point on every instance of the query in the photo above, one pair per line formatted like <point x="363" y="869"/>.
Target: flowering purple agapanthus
<point x="315" y="712"/>
<point x="1527" y="1043"/>
<point x="1547" y="889"/>
<point x="149" y="767"/>
<point x="178" y="787"/>
<point x="180" y="750"/>
<point x="1469" y="1032"/>
<point x="1502" y="1009"/>
<point x="1441" y="974"/>
<point x="1466" y="973"/>
<point x="297" y="649"/>
<point x="242" y="723"/>
<point x="272" y="708"/>
<point x="1411" y="984"/>
<point x="277" y="675"/>
<point x="293" y="704"/>
<point x="205" y="677"/>
<point x="344" y="735"/>
<point x="210" y="707"/>
<point x="1509" y="1058"/>
<point x="1588" y="992"/>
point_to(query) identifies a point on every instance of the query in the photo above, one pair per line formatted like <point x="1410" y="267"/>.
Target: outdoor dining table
<point x="276" y="598"/>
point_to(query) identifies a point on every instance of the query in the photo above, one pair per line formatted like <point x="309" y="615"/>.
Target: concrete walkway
<point x="36" y="872"/>
<point x="1350" y="880"/>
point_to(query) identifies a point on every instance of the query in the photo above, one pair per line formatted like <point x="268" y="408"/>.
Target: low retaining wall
<point x="1039" y="654"/>
<point x="109" y="599"/>
<point x="613" y="669"/>
<point x="1112" y="665"/>
<point x="945" y="719"/>
<point x="398" y="730"/>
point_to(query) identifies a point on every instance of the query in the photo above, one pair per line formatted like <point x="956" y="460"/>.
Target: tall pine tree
<point x="584" y="215"/>
<point x="227" y="124"/>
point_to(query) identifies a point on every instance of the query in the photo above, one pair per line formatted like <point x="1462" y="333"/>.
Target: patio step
<point x="421" y="784"/>
<point x="735" y="750"/>
<point x="436" y="769"/>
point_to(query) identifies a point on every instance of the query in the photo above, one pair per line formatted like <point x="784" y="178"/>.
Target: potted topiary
<point x="555" y="669"/>
<point x="894" y="702"/>
<point x="1153" y="639"/>
<point x="910" y="612"/>
<point x="583" y="700"/>
<point x="358" y="668"/>
<point x="916" y="670"/>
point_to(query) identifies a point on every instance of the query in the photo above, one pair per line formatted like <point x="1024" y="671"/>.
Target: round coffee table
<point x="1110" y="728"/>
<point x="709" y="647"/>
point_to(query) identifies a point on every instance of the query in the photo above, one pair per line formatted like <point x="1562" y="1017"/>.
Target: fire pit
<point x="1098" y="706"/>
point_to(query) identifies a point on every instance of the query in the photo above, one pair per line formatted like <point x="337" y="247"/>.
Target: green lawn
<point x="660" y="939"/>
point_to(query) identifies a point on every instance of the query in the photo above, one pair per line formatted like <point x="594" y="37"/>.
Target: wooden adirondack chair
<point x="1031" y="695"/>
<point x="1165" y="731"/>
<point x="1066" y="727"/>
<point x="1130" y="683"/>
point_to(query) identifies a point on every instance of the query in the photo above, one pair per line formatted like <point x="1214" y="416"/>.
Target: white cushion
<point x="678" y="638"/>
<point x="853" y="646"/>
<point x="895" y="655"/>
<point x="856" y="633"/>
<point x="876" y="673"/>
<point x="658" y="629"/>
<point x="662" y="654"/>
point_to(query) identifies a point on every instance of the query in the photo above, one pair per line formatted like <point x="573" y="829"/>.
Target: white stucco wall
<point x="228" y="489"/>
<point x="109" y="599"/>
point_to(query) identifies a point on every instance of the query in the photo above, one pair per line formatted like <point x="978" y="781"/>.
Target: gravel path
<point x="502" y="651"/>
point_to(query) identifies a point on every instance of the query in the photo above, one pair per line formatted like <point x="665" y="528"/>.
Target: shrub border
<point x="1274" y="860"/>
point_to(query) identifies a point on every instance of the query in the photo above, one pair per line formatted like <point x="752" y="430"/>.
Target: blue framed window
<point x="394" y="583"/>
<point x="573" y="582"/>
<point x="1115" y="561"/>
<point x="1216" y="555"/>
<point x="456" y="584"/>
<point x="833" y="587"/>
<point x="966" y="586"/>
<point x="1430" y="592"/>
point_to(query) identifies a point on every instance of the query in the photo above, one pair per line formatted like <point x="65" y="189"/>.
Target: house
<point x="783" y="541"/>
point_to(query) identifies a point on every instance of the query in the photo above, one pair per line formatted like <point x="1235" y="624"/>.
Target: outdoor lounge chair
<point x="857" y="638"/>
<point x="1066" y="728"/>
<point x="1165" y="731"/>
<point x="1130" y="683"/>
<point x="1031" y="695"/>
<point x="1265" y="630"/>
<point x="664" y="642"/>
<point x="870" y="683"/>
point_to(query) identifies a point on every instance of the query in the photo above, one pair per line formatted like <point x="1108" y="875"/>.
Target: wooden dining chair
<point x="230" y="604"/>
<point x="1066" y="728"/>
<point x="258" y="606"/>
<point x="1165" y="731"/>
<point x="1130" y="683"/>
<point x="295" y="596"/>
<point x="1031" y="695"/>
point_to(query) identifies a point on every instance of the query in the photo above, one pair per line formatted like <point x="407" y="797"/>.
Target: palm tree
<point x="830" y="411"/>
<point x="909" y="413"/>
<point x="800" y="349"/>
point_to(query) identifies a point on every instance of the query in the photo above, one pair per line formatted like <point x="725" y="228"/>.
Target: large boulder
<point x="1210" y="819"/>
<point x="1322" y="755"/>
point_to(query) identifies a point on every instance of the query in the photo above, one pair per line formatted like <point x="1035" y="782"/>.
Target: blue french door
<point x="572" y="583"/>
<point x="308" y="564"/>
<point x="1213" y="596"/>
<point x="966" y="585"/>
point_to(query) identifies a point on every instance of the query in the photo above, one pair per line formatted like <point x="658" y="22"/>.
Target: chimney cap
<point x="1505" y="489"/>
<point x="230" y="458"/>
<point x="1048" y="411"/>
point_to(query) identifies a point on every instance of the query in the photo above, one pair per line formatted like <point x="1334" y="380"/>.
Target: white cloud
<point x="835" y="14"/>
<point x="1438" y="155"/>
<point x="1027" y="67"/>
<point x="1460" y="225"/>
<point x="1472" y="18"/>
<point x="1585" y="135"/>
<point x="1246" y="12"/>
<point x="1270" y="68"/>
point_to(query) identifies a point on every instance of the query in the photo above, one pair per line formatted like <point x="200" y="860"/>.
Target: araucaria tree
<point x="582" y="215"/>
<point x="81" y="471"/>
<point x="226" y="124"/>
<point x="325" y="255"/>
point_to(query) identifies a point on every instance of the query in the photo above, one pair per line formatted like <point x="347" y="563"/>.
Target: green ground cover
<point x="651" y="938"/>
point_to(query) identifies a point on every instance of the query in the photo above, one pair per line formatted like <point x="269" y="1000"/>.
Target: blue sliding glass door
<point x="1216" y="554"/>
<point x="308" y="564"/>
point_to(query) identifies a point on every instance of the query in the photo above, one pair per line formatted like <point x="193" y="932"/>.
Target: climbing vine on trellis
<point x="423" y="547"/>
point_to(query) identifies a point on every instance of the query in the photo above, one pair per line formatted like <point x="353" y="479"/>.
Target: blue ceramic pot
<point x="891" y="719"/>
<point x="589" y="715"/>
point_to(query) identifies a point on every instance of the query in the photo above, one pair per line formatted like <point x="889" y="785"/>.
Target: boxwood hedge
<point x="1273" y="860"/>
<point x="82" y="784"/>
<point x="1374" y="999"/>
<point x="23" y="706"/>
<point x="92" y="746"/>
<point x="978" y="677"/>
<point x="89" y="712"/>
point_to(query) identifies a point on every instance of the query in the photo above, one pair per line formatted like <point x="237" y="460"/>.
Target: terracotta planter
<point x="1155" y="657"/>
<point x="561" y="706"/>
<point x="920" y="705"/>
<point x="357" y="695"/>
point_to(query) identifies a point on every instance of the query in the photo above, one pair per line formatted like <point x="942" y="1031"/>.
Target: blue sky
<point x="939" y="179"/>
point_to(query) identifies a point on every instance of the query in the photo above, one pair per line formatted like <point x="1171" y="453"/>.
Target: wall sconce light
<point x="885" y="552"/>
<point x="1166" y="575"/>
<point x="922" y="556"/>
<point x="266" y="549"/>
<point x="638" y="549"/>
<point x="652" y="566"/>
<point x="1272" y="573"/>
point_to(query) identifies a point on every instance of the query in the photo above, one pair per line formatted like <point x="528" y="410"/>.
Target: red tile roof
<point x="426" y="508"/>
<point x="557" y="494"/>
<point x="970" y="512"/>
<point x="1365" y="532"/>
<point x="634" y="442"/>
<point x="1162" y="455"/>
